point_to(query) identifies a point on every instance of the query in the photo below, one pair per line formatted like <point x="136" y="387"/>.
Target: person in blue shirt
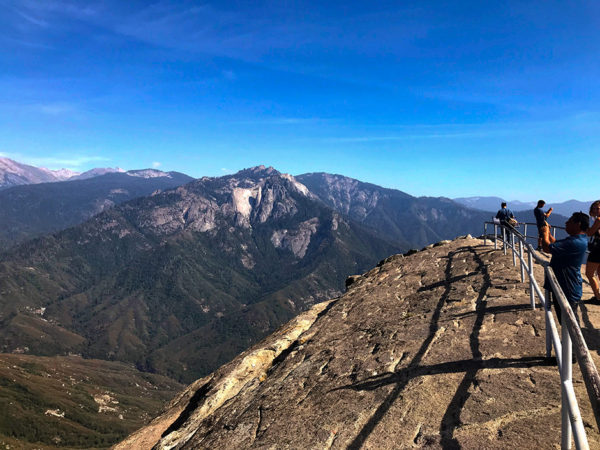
<point x="504" y="215"/>
<point x="540" y="219"/>
<point x="567" y="258"/>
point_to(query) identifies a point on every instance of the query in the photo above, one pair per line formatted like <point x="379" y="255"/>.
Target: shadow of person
<point x="590" y="333"/>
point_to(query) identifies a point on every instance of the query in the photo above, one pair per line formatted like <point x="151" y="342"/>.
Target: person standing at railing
<point x="506" y="216"/>
<point x="540" y="219"/>
<point x="567" y="257"/>
<point x="592" y="265"/>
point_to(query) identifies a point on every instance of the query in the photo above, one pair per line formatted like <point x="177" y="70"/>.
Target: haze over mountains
<point x="13" y="173"/>
<point x="27" y="211"/>
<point x="492" y="204"/>
<point x="395" y="215"/>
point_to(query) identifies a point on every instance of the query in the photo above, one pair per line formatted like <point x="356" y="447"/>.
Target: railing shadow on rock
<point x="572" y="423"/>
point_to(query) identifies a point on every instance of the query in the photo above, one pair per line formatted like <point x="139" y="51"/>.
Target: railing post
<point x="484" y="233"/>
<point x="521" y="259"/>
<point x="495" y="237"/>
<point x="531" y="293"/>
<point x="525" y="231"/>
<point x="504" y="232"/>
<point x="548" y="301"/>
<point x="512" y="245"/>
<point x="566" y="376"/>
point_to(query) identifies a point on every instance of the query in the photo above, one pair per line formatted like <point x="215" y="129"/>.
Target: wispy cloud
<point x="36" y="109"/>
<point x="156" y="164"/>
<point x="31" y="19"/>
<point x="281" y="121"/>
<point x="59" y="161"/>
<point x="577" y="121"/>
<point x="53" y="109"/>
<point x="405" y="137"/>
<point x="38" y="12"/>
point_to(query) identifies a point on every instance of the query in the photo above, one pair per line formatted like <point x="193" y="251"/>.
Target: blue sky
<point x="432" y="98"/>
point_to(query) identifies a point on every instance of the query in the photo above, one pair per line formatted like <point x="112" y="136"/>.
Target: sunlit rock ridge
<point x="436" y="349"/>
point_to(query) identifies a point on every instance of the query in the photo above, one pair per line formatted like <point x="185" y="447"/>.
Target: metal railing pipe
<point x="586" y="364"/>
<point x="547" y="299"/>
<point x="522" y="262"/>
<point x="577" y="425"/>
<point x="531" y="280"/>
<point x="566" y="375"/>
<point x="572" y="423"/>
<point x="485" y="233"/>
<point x="511" y="239"/>
<point x="495" y="237"/>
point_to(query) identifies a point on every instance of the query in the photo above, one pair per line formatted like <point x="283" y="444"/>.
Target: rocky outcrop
<point x="435" y="349"/>
<point x="250" y="197"/>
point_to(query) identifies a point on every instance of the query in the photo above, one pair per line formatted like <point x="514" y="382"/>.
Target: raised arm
<point x="595" y="227"/>
<point x="547" y="239"/>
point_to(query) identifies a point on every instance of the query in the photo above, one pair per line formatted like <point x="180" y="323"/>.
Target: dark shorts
<point x="540" y="228"/>
<point x="594" y="255"/>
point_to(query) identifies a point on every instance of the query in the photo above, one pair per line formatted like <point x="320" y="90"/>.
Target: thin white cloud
<point x="54" y="109"/>
<point x="579" y="120"/>
<point x="281" y="121"/>
<point x="405" y="137"/>
<point x="156" y="164"/>
<point x="56" y="162"/>
<point x="31" y="19"/>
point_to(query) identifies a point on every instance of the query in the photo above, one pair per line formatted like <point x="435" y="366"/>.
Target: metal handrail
<point x="553" y="229"/>
<point x="570" y="331"/>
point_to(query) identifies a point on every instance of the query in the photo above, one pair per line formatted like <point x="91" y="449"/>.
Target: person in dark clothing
<point x="592" y="266"/>
<point x="540" y="219"/>
<point x="567" y="257"/>
<point x="505" y="215"/>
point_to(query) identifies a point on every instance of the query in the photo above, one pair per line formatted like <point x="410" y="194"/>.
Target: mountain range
<point x="177" y="276"/>
<point x="30" y="210"/>
<point x="492" y="204"/>
<point x="394" y="215"/>
<point x="13" y="173"/>
<point x="181" y="281"/>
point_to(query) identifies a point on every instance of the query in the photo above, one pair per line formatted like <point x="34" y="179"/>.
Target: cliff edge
<point x="438" y="349"/>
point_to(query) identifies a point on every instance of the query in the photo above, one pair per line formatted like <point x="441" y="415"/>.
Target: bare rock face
<point x="439" y="349"/>
<point x="350" y="196"/>
<point x="296" y="241"/>
<point x="251" y="196"/>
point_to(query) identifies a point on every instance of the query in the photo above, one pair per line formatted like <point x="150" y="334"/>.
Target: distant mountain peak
<point x="260" y="171"/>
<point x="13" y="173"/>
<point x="98" y="171"/>
<point x="61" y="174"/>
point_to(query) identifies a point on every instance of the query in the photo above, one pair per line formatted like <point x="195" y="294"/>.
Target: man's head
<point x="503" y="205"/>
<point x="541" y="203"/>
<point x="578" y="223"/>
